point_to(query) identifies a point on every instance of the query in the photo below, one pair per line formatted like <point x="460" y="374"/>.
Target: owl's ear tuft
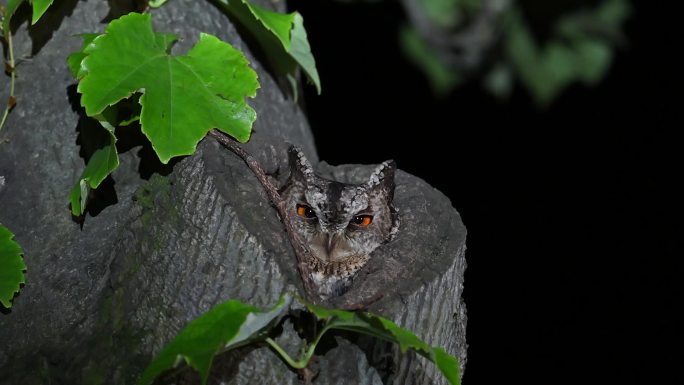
<point x="383" y="177"/>
<point x="300" y="168"/>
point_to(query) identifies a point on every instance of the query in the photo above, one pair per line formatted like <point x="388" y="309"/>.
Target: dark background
<point x="573" y="212"/>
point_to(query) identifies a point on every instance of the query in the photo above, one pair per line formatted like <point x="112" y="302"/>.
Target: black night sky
<point x="573" y="212"/>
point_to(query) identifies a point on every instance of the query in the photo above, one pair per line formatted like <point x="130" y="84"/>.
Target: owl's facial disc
<point x="334" y="228"/>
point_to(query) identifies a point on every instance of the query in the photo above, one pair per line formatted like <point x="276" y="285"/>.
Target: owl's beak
<point x="331" y="241"/>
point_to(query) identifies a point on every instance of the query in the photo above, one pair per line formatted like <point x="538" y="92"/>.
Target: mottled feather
<point x="341" y="223"/>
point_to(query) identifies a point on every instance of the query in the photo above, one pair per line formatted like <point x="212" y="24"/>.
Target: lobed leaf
<point x="12" y="267"/>
<point x="183" y="97"/>
<point x="282" y="36"/>
<point x="227" y="325"/>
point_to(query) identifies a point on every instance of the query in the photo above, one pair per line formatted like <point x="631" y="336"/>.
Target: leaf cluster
<point x="580" y="49"/>
<point x="233" y="324"/>
<point x="181" y="97"/>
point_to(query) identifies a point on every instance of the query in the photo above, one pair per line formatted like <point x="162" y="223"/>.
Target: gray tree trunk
<point x="103" y="297"/>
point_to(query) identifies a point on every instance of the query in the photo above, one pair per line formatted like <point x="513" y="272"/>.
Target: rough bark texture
<point x="102" y="297"/>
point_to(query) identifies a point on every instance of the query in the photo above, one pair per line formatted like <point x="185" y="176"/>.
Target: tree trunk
<point x="103" y="296"/>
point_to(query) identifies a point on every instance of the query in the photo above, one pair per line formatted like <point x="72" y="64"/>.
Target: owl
<point x="341" y="223"/>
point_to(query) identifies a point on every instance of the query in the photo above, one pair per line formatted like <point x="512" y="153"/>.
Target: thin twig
<point x="305" y="257"/>
<point x="11" y="100"/>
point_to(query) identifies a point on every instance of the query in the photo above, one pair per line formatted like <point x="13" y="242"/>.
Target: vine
<point x="12" y="265"/>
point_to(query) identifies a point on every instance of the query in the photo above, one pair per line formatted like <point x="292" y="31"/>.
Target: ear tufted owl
<point x="341" y="223"/>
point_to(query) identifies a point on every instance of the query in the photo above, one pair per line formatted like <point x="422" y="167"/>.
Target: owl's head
<point x="340" y="221"/>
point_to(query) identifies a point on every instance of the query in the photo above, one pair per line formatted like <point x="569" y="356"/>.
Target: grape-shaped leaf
<point x="282" y="36"/>
<point x="39" y="8"/>
<point x="183" y="96"/>
<point x="11" y="267"/>
<point x="227" y="325"/>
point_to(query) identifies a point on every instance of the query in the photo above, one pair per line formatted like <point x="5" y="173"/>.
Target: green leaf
<point x="300" y="50"/>
<point x="225" y="326"/>
<point x="380" y="327"/>
<point x="604" y="22"/>
<point x="442" y="13"/>
<point x="282" y="36"/>
<point x="74" y="60"/>
<point x="447" y="364"/>
<point x="545" y="72"/>
<point x="156" y="3"/>
<point x="10" y="8"/>
<point x="277" y="23"/>
<point x="102" y="163"/>
<point x="78" y="197"/>
<point x="593" y="59"/>
<point x="39" y="8"/>
<point x="441" y="77"/>
<point x="11" y="267"/>
<point x="183" y="96"/>
<point x="613" y="12"/>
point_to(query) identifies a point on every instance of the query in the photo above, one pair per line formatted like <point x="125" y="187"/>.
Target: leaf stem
<point x="11" y="101"/>
<point x="290" y="361"/>
<point x="304" y="360"/>
<point x="304" y="255"/>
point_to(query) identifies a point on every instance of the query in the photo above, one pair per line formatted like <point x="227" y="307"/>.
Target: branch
<point x="305" y="258"/>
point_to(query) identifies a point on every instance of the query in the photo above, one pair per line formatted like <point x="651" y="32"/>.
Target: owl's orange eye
<point x="362" y="220"/>
<point x="305" y="211"/>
